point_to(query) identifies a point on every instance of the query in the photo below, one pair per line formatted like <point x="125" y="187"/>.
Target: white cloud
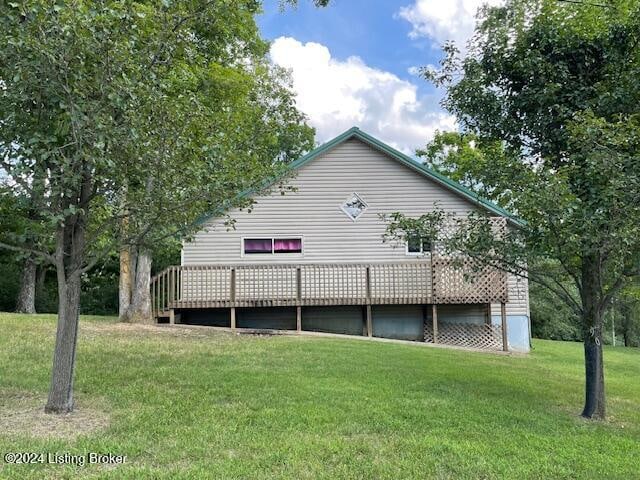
<point x="442" y="20"/>
<point x="337" y="95"/>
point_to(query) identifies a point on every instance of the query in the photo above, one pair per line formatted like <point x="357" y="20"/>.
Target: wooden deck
<point x="435" y="281"/>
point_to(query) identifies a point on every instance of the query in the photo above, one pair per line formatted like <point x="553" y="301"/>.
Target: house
<point x="313" y="259"/>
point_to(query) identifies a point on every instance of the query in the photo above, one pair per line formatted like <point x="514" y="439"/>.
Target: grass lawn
<point x="197" y="404"/>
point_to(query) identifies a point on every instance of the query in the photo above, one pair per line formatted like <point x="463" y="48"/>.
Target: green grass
<point x="198" y="404"/>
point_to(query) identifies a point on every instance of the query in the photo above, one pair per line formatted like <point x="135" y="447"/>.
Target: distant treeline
<point x="99" y="286"/>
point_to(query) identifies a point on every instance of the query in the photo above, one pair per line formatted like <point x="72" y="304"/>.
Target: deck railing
<point x="437" y="280"/>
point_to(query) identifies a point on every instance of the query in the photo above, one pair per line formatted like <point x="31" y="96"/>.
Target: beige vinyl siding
<point x="518" y="288"/>
<point x="313" y="212"/>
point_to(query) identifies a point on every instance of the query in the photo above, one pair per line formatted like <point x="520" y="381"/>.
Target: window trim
<point x="344" y="210"/>
<point x="272" y="253"/>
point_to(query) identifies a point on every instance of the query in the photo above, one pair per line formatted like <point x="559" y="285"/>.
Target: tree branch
<point x="14" y="248"/>
<point x="584" y="3"/>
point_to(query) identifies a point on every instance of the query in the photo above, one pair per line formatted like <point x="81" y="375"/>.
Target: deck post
<point x="172" y="286"/>
<point x="172" y="317"/>
<point x="232" y="292"/>
<point x="487" y="317"/>
<point x="154" y="310"/>
<point x="298" y="299"/>
<point x="368" y="306"/>
<point x="434" y="319"/>
<point x="368" y="284"/>
<point x="503" y="315"/>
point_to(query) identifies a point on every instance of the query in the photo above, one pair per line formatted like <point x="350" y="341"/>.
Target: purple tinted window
<point x="257" y="245"/>
<point x="287" y="245"/>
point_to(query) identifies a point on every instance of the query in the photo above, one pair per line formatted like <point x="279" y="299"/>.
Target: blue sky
<point x="351" y="63"/>
<point x="377" y="35"/>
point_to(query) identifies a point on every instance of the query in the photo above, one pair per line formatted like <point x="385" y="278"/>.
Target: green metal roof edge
<point x="295" y="165"/>
<point x="355" y="132"/>
<point x="438" y="177"/>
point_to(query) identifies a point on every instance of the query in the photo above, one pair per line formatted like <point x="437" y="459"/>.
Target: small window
<point x="287" y="245"/>
<point x="272" y="246"/>
<point x="417" y="245"/>
<point x="258" y="245"/>
<point x="354" y="207"/>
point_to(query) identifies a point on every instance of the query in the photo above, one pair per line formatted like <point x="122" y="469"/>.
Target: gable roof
<point x="355" y="132"/>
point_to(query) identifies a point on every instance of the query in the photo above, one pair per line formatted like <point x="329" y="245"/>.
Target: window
<point x="272" y="245"/>
<point x="354" y="207"/>
<point x="258" y="245"/>
<point x="287" y="245"/>
<point x="418" y="246"/>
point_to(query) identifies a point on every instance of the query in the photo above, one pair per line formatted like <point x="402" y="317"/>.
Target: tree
<point x="273" y="132"/>
<point x="466" y="158"/>
<point x="317" y="3"/>
<point x="551" y="318"/>
<point x="626" y="309"/>
<point x="26" y="301"/>
<point x="95" y="96"/>
<point x="555" y="85"/>
<point x="260" y="128"/>
<point x="14" y="208"/>
<point x="12" y="278"/>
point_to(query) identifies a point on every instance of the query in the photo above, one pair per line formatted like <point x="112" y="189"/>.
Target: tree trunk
<point x="593" y="319"/>
<point x="26" y="302"/>
<point x="61" y="392"/>
<point x="140" y="309"/>
<point x="70" y="257"/>
<point x="124" y="287"/>
<point x="594" y="405"/>
<point x="70" y="243"/>
<point x="133" y="255"/>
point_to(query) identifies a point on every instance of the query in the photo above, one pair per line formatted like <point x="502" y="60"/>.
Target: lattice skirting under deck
<point x="466" y="335"/>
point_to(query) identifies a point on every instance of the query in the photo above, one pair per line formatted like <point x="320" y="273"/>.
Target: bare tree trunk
<point x="124" y="287"/>
<point x="133" y="255"/>
<point x="593" y="313"/>
<point x="26" y="302"/>
<point x="127" y="268"/>
<point x="69" y="253"/>
<point x="594" y="405"/>
<point x="140" y="309"/>
<point x="61" y="392"/>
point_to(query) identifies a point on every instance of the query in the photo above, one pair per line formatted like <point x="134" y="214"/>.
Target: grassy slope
<point x="194" y="404"/>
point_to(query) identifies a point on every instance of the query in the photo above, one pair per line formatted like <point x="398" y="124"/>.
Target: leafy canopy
<point x="549" y="92"/>
<point x="173" y="102"/>
<point x="549" y="105"/>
